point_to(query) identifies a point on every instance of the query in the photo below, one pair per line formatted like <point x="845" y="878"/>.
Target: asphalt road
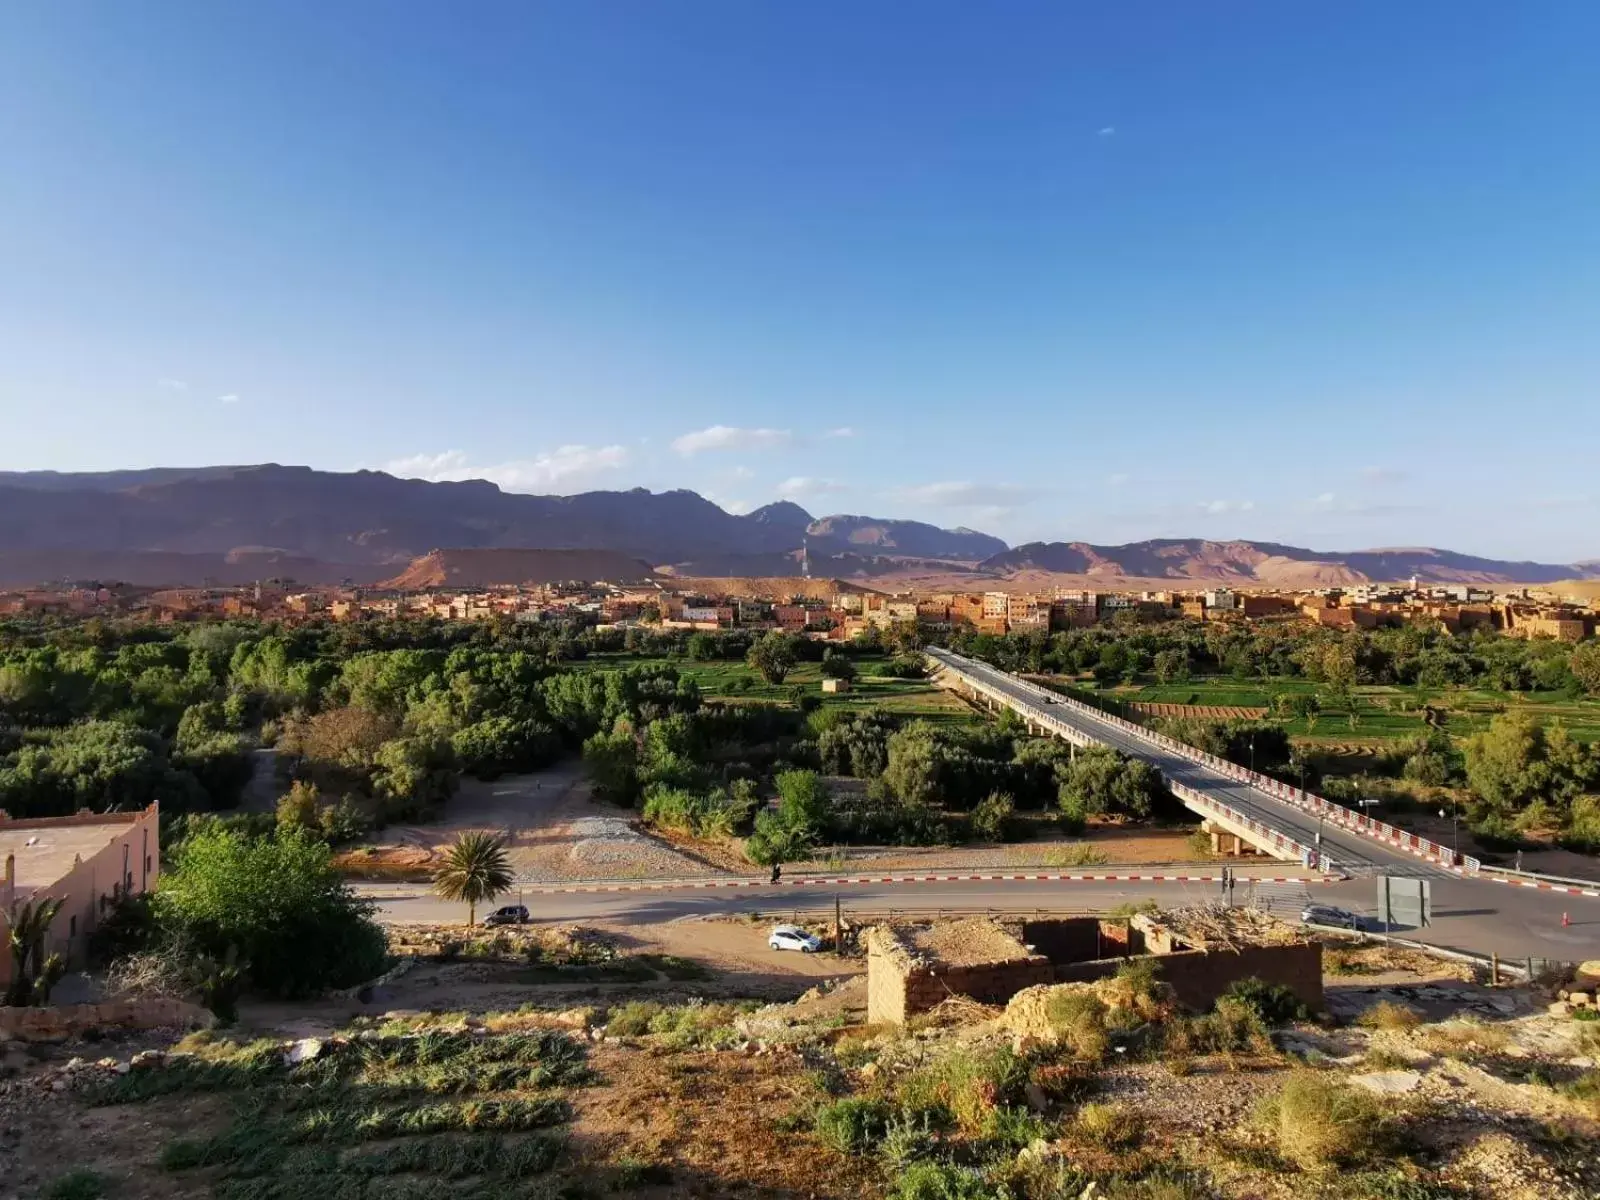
<point x="1469" y="915"/>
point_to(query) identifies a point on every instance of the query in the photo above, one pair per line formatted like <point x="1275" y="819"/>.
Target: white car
<point x="792" y="937"/>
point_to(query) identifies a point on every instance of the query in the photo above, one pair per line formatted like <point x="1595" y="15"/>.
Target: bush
<point x="1272" y="1002"/>
<point x="79" y="1184"/>
<point x="1388" y="1015"/>
<point x="1320" y="1123"/>
<point x="852" y="1126"/>
<point x="276" y="902"/>
<point x="992" y="820"/>
<point x="965" y="1086"/>
<point x="943" y="1181"/>
<point x="1078" y="1019"/>
<point x="1111" y="1126"/>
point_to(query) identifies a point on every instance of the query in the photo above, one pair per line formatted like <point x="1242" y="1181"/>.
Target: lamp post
<point x="1455" y="830"/>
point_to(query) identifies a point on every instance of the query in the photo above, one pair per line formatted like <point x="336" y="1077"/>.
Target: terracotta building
<point x="87" y="861"/>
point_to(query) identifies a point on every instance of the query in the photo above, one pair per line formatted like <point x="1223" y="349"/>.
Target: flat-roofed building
<point x="88" y="861"/>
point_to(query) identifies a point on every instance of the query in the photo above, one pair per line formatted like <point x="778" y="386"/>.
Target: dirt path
<point x="556" y="830"/>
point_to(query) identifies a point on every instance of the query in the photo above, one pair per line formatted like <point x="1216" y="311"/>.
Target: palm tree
<point x="475" y="869"/>
<point x="26" y="929"/>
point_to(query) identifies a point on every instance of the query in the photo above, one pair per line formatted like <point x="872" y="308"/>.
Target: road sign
<point x="1405" y="901"/>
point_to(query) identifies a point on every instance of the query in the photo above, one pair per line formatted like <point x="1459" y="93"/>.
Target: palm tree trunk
<point x="472" y="912"/>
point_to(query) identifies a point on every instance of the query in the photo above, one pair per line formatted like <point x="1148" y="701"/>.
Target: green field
<point x="718" y="680"/>
<point x="1382" y="713"/>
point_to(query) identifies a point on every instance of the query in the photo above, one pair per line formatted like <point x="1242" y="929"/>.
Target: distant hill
<point x="846" y="534"/>
<point x="327" y="526"/>
<point x="501" y="568"/>
<point x="1265" y="564"/>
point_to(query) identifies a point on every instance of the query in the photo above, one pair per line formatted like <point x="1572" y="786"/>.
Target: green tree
<point x="298" y="807"/>
<point x="1172" y="666"/>
<point x="773" y="657"/>
<point x="837" y="666"/>
<point x="276" y="902"/>
<point x="475" y="870"/>
<point x="1103" y="780"/>
<point x="992" y="818"/>
<point x="612" y="761"/>
<point x="1585" y="666"/>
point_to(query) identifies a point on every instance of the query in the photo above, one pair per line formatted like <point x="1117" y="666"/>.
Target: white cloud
<point x="741" y="473"/>
<point x="1324" y="502"/>
<point x="962" y="494"/>
<point x="844" y="431"/>
<point x="172" y="385"/>
<point x="1107" y="131"/>
<point x="1219" y="507"/>
<point x="731" y="437"/>
<point x="230" y="398"/>
<point x="800" y="487"/>
<point x="1117" y="480"/>
<point x="521" y="475"/>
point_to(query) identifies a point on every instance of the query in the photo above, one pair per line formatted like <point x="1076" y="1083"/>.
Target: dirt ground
<point x="557" y="832"/>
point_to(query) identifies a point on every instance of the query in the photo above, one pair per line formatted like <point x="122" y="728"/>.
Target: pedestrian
<point x="776" y="871"/>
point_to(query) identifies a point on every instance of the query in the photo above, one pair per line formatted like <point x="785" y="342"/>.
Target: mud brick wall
<point x="58" y="1024"/>
<point x="898" y="988"/>
<point x="1080" y="939"/>
<point x="1199" y="977"/>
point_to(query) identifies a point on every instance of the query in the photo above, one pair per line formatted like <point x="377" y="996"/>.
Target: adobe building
<point x="88" y="861"/>
<point x="1199" y="953"/>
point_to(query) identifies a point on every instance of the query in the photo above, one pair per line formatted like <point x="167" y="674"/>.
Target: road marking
<point x="564" y="889"/>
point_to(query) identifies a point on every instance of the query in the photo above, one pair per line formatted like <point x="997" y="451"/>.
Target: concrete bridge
<point x="1241" y="808"/>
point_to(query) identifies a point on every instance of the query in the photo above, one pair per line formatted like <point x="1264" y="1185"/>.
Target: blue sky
<point x="1326" y="274"/>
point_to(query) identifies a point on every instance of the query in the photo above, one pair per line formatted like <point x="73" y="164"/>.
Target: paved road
<point x="1468" y="914"/>
<point x="1347" y="849"/>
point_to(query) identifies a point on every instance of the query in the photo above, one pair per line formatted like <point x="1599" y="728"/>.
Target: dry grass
<point x="1320" y="1124"/>
<point x="1389" y="1016"/>
<point x="1464" y="1039"/>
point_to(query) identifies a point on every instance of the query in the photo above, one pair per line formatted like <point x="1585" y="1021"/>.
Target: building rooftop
<point x="45" y="849"/>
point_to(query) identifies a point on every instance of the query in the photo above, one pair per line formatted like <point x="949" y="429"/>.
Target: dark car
<point x="511" y="914"/>
<point x="1338" y="918"/>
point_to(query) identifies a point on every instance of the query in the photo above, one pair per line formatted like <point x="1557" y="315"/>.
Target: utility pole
<point x="838" y="928"/>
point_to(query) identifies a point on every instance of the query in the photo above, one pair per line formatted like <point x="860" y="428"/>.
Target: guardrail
<point x="1295" y="850"/>
<point x="1308" y="802"/>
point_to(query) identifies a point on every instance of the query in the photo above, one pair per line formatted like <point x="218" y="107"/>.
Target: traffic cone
<point x="1565" y="920"/>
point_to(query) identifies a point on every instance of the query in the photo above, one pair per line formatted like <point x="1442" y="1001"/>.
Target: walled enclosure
<point x="902" y="982"/>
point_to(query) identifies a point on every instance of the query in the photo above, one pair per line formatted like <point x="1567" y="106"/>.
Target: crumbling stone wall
<point x="51" y="1024"/>
<point x="900" y="985"/>
<point x="1199" y="977"/>
<point x="1081" y="939"/>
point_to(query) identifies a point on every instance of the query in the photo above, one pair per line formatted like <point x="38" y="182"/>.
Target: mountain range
<point x="233" y="524"/>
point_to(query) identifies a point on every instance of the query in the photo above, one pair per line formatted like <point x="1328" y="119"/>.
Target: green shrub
<point x="965" y="1086"/>
<point x="1014" y="1126"/>
<point x="1272" y="1002"/>
<point x="79" y="1184"/>
<point x="1111" y="1126"/>
<point x="944" y="1181"/>
<point x="632" y="1019"/>
<point x="906" y="1139"/>
<point x="852" y="1126"/>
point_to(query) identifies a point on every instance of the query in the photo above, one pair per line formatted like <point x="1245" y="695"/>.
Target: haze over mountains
<point x="235" y="524"/>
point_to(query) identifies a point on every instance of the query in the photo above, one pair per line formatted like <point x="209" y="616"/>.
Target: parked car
<point x="1326" y="914"/>
<point x="511" y="914"/>
<point x="792" y="937"/>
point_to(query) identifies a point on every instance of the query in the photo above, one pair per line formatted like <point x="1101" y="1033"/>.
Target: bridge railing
<point x="1288" y="846"/>
<point x="1335" y="814"/>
